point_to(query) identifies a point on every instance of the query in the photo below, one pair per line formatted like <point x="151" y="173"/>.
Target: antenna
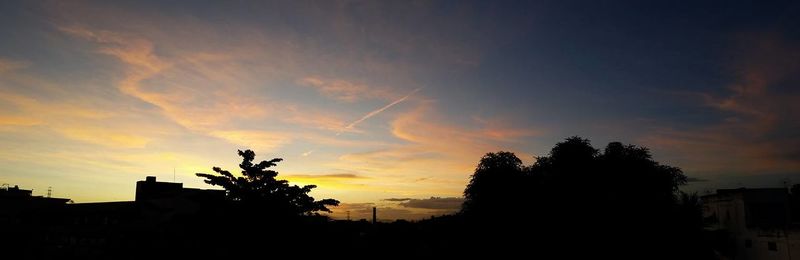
<point x="49" y="191"/>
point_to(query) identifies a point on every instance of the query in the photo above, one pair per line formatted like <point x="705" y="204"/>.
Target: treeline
<point x="577" y="202"/>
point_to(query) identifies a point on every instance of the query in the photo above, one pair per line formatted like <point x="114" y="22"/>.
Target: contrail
<point x="378" y="111"/>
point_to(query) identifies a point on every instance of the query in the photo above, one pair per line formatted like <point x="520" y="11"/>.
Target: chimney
<point x="150" y="179"/>
<point x="374" y="215"/>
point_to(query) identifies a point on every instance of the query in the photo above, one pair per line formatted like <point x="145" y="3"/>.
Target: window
<point x="772" y="246"/>
<point x="748" y="243"/>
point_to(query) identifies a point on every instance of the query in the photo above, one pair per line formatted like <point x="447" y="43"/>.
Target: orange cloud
<point x="159" y="81"/>
<point x="74" y="121"/>
<point x="7" y="65"/>
<point x="712" y="150"/>
<point x="418" y="126"/>
<point x="386" y="211"/>
<point x="346" y="91"/>
<point x="261" y="141"/>
<point x="18" y="120"/>
<point x="104" y="136"/>
<point x="340" y="181"/>
<point x="313" y="118"/>
<point x="435" y="158"/>
<point x="758" y="133"/>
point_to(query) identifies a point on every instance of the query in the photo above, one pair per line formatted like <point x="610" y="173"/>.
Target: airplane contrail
<point x="378" y="111"/>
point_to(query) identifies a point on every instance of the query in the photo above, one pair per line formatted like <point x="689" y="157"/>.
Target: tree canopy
<point x="619" y="193"/>
<point x="492" y="185"/>
<point x="258" y="187"/>
<point x="573" y="171"/>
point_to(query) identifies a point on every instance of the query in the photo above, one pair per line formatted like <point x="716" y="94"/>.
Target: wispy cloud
<point x="694" y="179"/>
<point x="7" y="65"/>
<point x="260" y="141"/>
<point x="433" y="145"/>
<point x="755" y="131"/>
<point x="385" y="212"/>
<point x="421" y="179"/>
<point x="344" y="90"/>
<point x="434" y="203"/>
<point x="397" y="199"/>
<point x="81" y="122"/>
<point x="326" y="176"/>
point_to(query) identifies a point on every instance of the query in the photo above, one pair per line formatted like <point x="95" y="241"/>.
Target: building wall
<point x="737" y="212"/>
<point x="786" y="245"/>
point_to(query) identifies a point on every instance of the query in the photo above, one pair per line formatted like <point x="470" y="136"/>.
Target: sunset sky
<point x="390" y="103"/>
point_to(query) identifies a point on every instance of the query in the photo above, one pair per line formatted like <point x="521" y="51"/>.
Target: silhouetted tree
<point x="490" y="187"/>
<point x="619" y="201"/>
<point x="257" y="187"/>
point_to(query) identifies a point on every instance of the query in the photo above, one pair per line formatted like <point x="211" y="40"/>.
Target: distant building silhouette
<point x="150" y="189"/>
<point x="759" y="222"/>
<point x="10" y="194"/>
<point x="19" y="205"/>
<point x="23" y="217"/>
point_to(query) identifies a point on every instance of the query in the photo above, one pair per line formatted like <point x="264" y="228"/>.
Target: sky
<point x="390" y="104"/>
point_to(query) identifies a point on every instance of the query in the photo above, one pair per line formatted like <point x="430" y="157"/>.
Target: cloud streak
<point x="378" y="111"/>
<point x="451" y="203"/>
<point x="327" y="176"/>
<point x="385" y="212"/>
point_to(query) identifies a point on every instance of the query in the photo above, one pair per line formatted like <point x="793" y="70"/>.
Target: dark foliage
<point x="620" y="202"/>
<point x="501" y="169"/>
<point x="257" y="187"/>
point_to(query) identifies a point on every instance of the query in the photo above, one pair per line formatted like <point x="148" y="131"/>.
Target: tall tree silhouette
<point x="491" y="186"/>
<point x="257" y="187"/>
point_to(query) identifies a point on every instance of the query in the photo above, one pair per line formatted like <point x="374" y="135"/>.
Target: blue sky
<point x="379" y="100"/>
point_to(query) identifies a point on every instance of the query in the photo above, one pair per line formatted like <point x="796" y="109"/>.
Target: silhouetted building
<point x="20" y="205"/>
<point x="14" y="193"/>
<point x="42" y="228"/>
<point x="759" y="222"/>
<point x="26" y="219"/>
<point x="150" y="189"/>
